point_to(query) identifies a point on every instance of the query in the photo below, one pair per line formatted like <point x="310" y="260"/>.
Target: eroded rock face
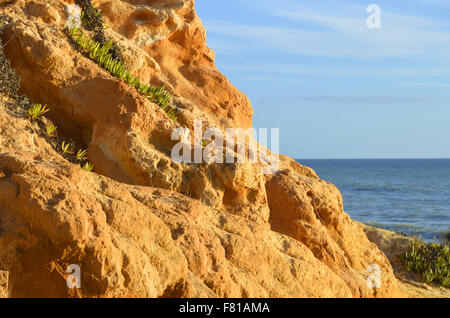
<point x="143" y="225"/>
<point x="311" y="211"/>
<point x="128" y="138"/>
<point x="173" y="35"/>
<point x="133" y="241"/>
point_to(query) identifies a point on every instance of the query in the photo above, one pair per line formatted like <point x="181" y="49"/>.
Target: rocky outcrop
<point x="172" y="37"/>
<point x="311" y="211"/>
<point x="128" y="138"/>
<point x="143" y="225"/>
<point x="133" y="241"/>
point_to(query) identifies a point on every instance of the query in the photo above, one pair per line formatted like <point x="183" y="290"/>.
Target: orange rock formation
<point x="143" y="225"/>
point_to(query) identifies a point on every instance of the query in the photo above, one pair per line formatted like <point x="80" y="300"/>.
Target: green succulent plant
<point x="88" y="166"/>
<point x="81" y="155"/>
<point x="172" y="114"/>
<point x="35" y="111"/>
<point x="430" y="260"/>
<point x="102" y="55"/>
<point x="65" y="148"/>
<point x="50" y="130"/>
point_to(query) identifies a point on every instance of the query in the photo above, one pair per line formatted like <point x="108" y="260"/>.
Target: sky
<point x="334" y="87"/>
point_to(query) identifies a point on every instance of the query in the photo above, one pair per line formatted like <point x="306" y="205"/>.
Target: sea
<point x="411" y="196"/>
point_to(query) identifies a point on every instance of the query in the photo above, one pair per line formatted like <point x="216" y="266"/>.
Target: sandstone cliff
<point x="142" y="225"/>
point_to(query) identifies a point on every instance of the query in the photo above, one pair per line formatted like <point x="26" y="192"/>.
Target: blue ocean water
<point x="405" y="195"/>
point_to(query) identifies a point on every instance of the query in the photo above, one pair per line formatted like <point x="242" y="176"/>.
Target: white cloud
<point x="298" y="69"/>
<point x="341" y="33"/>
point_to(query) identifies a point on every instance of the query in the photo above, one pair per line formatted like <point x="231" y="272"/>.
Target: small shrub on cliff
<point x="35" y="111"/>
<point x="65" y="147"/>
<point x="88" y="167"/>
<point x="93" y="20"/>
<point x="430" y="260"/>
<point x="81" y="155"/>
<point x="50" y="130"/>
<point x="172" y="114"/>
<point x="158" y="95"/>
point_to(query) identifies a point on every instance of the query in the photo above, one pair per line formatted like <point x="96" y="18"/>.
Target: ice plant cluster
<point x="102" y="56"/>
<point x="430" y="260"/>
<point x="35" y="113"/>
